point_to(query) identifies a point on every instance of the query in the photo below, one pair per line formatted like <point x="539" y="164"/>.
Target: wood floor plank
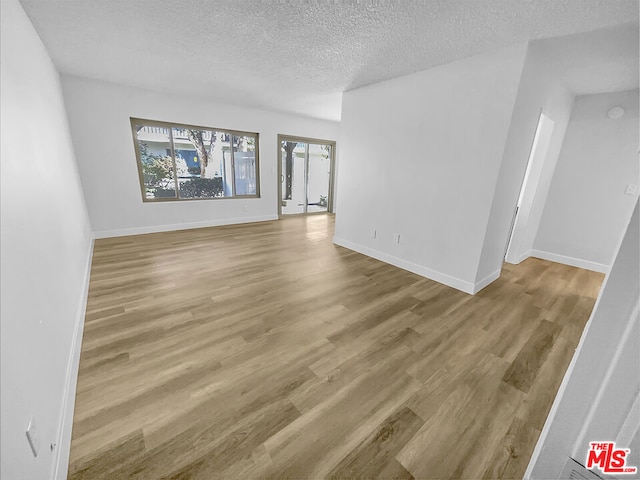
<point x="340" y="422"/>
<point x="537" y="404"/>
<point x="240" y="442"/>
<point x="263" y="351"/>
<point x="375" y="456"/>
<point x="511" y="458"/>
<point x="524" y="369"/>
<point x="456" y="426"/>
<point x="102" y="463"/>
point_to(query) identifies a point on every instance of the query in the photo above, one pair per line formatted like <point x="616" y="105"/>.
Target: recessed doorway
<point x="305" y="173"/>
<point x="515" y="251"/>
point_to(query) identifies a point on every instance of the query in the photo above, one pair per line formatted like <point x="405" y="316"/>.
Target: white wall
<point x="420" y="156"/>
<point x="587" y="209"/>
<point x="99" y="115"/>
<point x="539" y="91"/>
<point x="46" y="243"/>
<point x="604" y="336"/>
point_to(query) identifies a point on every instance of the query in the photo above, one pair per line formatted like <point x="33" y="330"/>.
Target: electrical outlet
<point x="372" y="234"/>
<point x="631" y="189"/>
<point x="396" y="238"/>
<point x="32" y="437"/>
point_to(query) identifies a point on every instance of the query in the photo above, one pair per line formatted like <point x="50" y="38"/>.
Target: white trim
<point x="120" y="232"/>
<point x="521" y="258"/>
<point x="631" y="423"/>
<point x="611" y="369"/>
<point x="439" y="277"/>
<point x="486" y="281"/>
<point x="565" y="381"/>
<point x="542" y="438"/>
<point x="63" y="447"/>
<point x="525" y="255"/>
<point x="571" y="261"/>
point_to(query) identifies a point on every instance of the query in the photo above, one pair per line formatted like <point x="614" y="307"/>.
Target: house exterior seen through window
<point x="185" y="162"/>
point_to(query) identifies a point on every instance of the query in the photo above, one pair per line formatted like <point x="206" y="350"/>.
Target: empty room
<point x="291" y="239"/>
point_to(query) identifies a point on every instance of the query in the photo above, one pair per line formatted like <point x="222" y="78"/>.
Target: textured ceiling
<point x="296" y="56"/>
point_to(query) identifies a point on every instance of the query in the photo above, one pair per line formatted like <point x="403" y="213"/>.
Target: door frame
<point x="528" y="186"/>
<point x="332" y="160"/>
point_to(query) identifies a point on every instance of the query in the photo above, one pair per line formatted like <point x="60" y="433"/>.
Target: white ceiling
<point x="300" y="55"/>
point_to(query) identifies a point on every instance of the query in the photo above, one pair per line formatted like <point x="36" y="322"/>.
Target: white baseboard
<point x="61" y="464"/>
<point x="525" y="255"/>
<point x="486" y="281"/>
<point x="571" y="261"/>
<point x="519" y="259"/>
<point x="120" y="232"/>
<point x="423" y="271"/>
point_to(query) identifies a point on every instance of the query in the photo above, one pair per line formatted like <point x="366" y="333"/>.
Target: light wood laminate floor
<point x="265" y="351"/>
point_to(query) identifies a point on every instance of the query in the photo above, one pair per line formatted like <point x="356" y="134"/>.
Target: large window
<point x="184" y="162"/>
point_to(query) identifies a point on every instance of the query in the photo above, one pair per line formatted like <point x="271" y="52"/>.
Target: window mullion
<point x="173" y="159"/>
<point x="306" y="178"/>
<point x="233" y="166"/>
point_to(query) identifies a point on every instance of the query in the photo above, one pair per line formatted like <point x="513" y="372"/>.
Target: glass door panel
<point x="244" y="170"/>
<point x="293" y="179"/>
<point x="319" y="173"/>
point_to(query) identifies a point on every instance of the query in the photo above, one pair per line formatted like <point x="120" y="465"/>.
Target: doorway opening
<point x="305" y="171"/>
<point x="516" y="250"/>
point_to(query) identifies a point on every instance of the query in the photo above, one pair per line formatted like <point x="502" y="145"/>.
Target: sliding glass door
<point x="306" y="175"/>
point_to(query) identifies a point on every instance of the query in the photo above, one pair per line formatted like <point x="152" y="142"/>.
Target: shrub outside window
<point x="185" y="162"/>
